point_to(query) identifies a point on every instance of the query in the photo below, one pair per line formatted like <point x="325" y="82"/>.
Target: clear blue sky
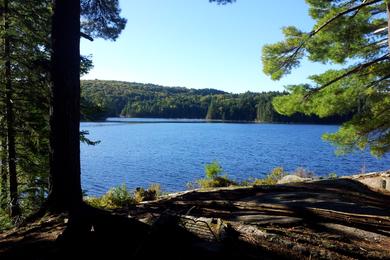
<point x="197" y="44"/>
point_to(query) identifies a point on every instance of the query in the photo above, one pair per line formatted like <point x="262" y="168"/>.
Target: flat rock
<point x="292" y="178"/>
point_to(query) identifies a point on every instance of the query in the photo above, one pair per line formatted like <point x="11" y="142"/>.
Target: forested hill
<point x="101" y="99"/>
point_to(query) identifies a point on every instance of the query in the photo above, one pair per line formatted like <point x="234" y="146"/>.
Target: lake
<point x="140" y="152"/>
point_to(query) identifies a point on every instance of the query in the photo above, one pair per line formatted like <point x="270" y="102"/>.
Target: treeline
<point x="101" y="99"/>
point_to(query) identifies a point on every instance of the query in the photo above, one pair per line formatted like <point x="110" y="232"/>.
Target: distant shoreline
<point x="156" y="120"/>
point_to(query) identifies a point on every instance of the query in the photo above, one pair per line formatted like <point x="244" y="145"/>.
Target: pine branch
<point x="357" y="11"/>
<point x="358" y="68"/>
<point x="316" y="31"/>
<point x="378" y="81"/>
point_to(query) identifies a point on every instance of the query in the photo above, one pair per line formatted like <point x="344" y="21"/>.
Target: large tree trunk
<point x="10" y="118"/>
<point x="65" y="185"/>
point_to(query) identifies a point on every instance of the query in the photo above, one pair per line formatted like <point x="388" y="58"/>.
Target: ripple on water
<point x="174" y="154"/>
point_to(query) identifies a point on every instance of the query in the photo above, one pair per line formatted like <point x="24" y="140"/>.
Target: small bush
<point x="119" y="197"/>
<point x="213" y="178"/>
<point x="94" y="201"/>
<point x="151" y="193"/>
<point x="219" y="181"/>
<point x="272" y="178"/>
<point x="212" y="170"/>
<point x="332" y="176"/>
<point x="116" y="197"/>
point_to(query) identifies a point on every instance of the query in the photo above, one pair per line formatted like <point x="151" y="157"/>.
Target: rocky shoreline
<point x="344" y="218"/>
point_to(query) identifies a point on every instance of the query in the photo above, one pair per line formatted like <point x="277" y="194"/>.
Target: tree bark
<point x="3" y="170"/>
<point x="65" y="184"/>
<point x="10" y="118"/>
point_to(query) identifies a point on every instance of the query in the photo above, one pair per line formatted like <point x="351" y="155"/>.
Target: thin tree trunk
<point x="65" y="185"/>
<point x="3" y="170"/>
<point x="10" y="118"/>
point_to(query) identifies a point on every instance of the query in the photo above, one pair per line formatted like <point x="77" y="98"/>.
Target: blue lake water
<point x="140" y="152"/>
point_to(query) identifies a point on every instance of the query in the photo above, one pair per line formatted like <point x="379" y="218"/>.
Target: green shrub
<point x="332" y="176"/>
<point x="271" y="179"/>
<point x="212" y="170"/>
<point x="119" y="197"/>
<point x="213" y="178"/>
<point x="94" y="201"/>
<point x="218" y="181"/>
<point x="116" y="197"/>
<point x="151" y="193"/>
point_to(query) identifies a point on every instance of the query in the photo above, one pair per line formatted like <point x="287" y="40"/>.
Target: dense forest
<point x="101" y="99"/>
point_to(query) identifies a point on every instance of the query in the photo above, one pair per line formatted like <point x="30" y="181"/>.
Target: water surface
<point x="139" y="152"/>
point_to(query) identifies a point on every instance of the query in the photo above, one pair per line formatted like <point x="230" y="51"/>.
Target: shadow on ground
<point x="321" y="220"/>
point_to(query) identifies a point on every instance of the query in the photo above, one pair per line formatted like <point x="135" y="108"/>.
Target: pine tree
<point x="100" y="19"/>
<point x="346" y="32"/>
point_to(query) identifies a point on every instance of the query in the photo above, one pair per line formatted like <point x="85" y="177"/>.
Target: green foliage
<point x="219" y="181"/>
<point x="101" y="18"/>
<point x="359" y="92"/>
<point x="117" y="197"/>
<point x="332" y="176"/>
<point x="86" y="140"/>
<point x="121" y="197"/>
<point x="29" y="35"/>
<point x="152" y="193"/>
<point x="213" y="178"/>
<point x="27" y="85"/>
<point x="5" y="220"/>
<point x="102" y="99"/>
<point x="271" y="179"/>
<point x="212" y="170"/>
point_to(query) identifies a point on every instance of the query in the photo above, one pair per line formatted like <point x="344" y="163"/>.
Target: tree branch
<point x="86" y="36"/>
<point x="357" y="11"/>
<point x="314" y="32"/>
<point x="348" y="73"/>
<point x="379" y="80"/>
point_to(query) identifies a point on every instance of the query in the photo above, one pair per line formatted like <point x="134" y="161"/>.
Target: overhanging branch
<point x="316" y="31"/>
<point x="348" y="73"/>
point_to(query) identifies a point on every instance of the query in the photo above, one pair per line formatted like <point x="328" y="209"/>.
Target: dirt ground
<point x="329" y="219"/>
